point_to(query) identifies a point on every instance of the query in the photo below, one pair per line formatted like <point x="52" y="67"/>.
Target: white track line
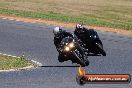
<point x="33" y="61"/>
<point x="19" y="69"/>
<point x="17" y="20"/>
<point x="24" y="68"/>
<point x="11" y="19"/>
<point x="4" y="54"/>
<point x="4" y="18"/>
<point x="38" y="63"/>
<point x="9" y="55"/>
<point x="14" y="56"/>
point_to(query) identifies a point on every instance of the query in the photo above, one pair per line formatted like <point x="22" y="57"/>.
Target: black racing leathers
<point x="85" y="35"/>
<point x="57" y="41"/>
<point x="82" y="34"/>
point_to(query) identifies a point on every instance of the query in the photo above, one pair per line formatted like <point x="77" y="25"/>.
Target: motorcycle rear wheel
<point x="101" y="49"/>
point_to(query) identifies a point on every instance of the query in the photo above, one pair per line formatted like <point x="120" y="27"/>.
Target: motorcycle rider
<point x="79" y="29"/>
<point x="84" y="34"/>
<point x="81" y="33"/>
<point x="59" y="34"/>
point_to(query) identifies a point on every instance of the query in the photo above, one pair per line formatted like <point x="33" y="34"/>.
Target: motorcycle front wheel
<point x="83" y="61"/>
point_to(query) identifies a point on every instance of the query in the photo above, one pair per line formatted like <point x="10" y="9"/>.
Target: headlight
<point x="67" y="48"/>
<point x="95" y="36"/>
<point x="71" y="45"/>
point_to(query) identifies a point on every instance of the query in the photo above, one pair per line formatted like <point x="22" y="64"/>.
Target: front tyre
<point x="80" y="58"/>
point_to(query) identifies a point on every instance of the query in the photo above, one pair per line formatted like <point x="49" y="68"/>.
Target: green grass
<point x="7" y="62"/>
<point x="108" y="13"/>
<point x="61" y="17"/>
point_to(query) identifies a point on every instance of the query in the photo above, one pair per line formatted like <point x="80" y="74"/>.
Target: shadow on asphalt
<point x="60" y="66"/>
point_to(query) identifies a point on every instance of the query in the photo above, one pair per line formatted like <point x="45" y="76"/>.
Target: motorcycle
<point x="93" y="43"/>
<point x="70" y="48"/>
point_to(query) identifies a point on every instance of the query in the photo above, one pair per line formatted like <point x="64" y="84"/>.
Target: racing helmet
<point x="57" y="30"/>
<point x="79" y="26"/>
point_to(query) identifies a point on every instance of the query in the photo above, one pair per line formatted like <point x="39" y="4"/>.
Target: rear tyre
<point x="101" y="49"/>
<point x="103" y="53"/>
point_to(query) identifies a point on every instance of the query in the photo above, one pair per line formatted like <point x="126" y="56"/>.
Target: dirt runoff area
<point x="66" y="24"/>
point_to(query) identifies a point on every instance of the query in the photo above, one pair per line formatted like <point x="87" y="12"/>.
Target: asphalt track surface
<point x="36" y="42"/>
